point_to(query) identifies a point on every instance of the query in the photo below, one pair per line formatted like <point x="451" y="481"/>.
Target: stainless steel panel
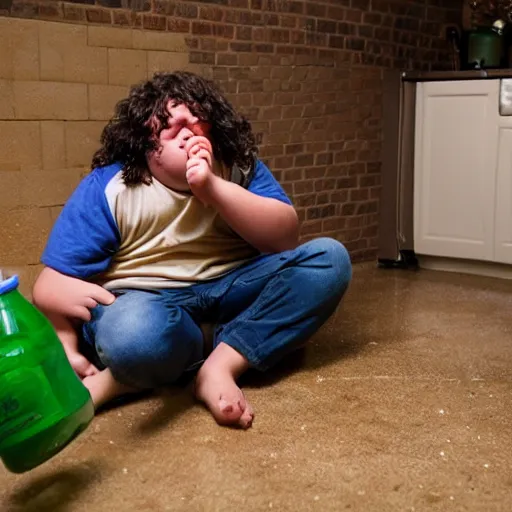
<point x="506" y="97"/>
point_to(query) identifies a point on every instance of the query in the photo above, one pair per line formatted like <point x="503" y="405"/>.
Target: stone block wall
<point x="59" y="83"/>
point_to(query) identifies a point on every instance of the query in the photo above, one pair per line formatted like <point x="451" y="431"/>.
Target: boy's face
<point x="168" y="163"/>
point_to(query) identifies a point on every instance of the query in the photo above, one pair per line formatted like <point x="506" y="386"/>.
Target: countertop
<point x="430" y="76"/>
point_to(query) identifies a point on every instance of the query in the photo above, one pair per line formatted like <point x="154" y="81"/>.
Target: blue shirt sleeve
<point x="264" y="184"/>
<point x="85" y="235"/>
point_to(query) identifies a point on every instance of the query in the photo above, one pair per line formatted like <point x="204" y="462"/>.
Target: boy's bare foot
<point x="103" y="388"/>
<point x="216" y="387"/>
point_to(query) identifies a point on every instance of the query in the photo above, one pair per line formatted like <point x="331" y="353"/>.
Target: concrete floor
<point x="401" y="403"/>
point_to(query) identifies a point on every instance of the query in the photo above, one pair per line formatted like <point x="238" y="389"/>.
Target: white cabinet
<point x="462" y="172"/>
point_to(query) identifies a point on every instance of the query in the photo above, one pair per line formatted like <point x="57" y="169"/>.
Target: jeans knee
<point x="131" y="352"/>
<point x="334" y="259"/>
<point x="138" y="345"/>
<point x="329" y="272"/>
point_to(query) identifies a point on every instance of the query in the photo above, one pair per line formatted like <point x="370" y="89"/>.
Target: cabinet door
<point x="503" y="219"/>
<point x="456" y="150"/>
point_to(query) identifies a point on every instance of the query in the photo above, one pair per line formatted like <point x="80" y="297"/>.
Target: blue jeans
<point x="263" y="309"/>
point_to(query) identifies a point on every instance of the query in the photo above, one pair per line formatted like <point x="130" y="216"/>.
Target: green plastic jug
<point x="43" y="403"/>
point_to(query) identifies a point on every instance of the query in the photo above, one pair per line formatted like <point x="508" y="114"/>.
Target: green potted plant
<point x="485" y="44"/>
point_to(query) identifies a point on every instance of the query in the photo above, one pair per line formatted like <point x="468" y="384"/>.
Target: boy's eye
<point x="171" y="132"/>
<point x="175" y="125"/>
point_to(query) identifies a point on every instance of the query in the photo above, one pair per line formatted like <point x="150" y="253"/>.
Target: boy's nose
<point x="185" y="134"/>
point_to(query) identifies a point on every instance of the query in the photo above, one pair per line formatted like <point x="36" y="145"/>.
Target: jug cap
<point x="8" y="285"/>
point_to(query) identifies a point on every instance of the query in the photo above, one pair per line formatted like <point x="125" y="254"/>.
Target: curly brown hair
<point x="129" y="136"/>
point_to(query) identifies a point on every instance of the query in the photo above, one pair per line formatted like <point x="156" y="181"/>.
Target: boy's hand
<point x="68" y="296"/>
<point x="200" y="176"/>
<point x="81" y="365"/>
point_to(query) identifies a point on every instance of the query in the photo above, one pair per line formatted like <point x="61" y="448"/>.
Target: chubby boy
<point x="179" y="224"/>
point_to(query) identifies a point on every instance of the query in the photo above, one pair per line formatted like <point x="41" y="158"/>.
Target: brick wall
<point x="307" y="73"/>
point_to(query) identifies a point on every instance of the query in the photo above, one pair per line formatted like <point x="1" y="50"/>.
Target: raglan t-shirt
<point x="147" y="236"/>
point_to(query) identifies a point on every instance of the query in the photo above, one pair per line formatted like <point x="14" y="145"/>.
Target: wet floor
<point x="402" y="402"/>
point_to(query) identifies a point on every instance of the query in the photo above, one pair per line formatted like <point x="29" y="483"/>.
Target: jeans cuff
<point x="235" y="341"/>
